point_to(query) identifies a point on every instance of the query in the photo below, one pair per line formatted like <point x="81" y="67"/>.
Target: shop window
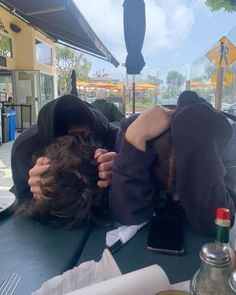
<point x="43" y="53"/>
<point x="5" y="86"/>
<point x="46" y="86"/>
<point x="5" y="46"/>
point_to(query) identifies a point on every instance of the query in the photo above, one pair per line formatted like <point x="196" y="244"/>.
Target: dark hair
<point x="70" y="184"/>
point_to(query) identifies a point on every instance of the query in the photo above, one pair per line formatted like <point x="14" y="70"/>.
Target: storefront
<point x="27" y="68"/>
<point x="28" y="33"/>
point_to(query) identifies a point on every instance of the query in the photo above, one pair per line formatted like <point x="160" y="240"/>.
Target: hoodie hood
<point x="54" y="120"/>
<point x="190" y="106"/>
<point x="200" y="135"/>
<point x="57" y="116"/>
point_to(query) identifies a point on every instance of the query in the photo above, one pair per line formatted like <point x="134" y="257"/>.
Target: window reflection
<point x="43" y="53"/>
<point x="5" y="86"/>
<point x="46" y="86"/>
<point x="5" y="46"/>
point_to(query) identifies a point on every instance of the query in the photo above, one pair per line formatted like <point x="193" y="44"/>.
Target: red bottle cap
<point x="222" y="213"/>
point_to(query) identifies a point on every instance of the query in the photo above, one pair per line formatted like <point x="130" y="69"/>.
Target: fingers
<point x="105" y="178"/>
<point x="99" y="152"/>
<point x="105" y="175"/>
<point x="37" y="171"/>
<point x="103" y="183"/>
<point x="104" y="160"/>
<point x="105" y="164"/>
<point x="107" y="157"/>
<point x="42" y="161"/>
<point x="34" y="181"/>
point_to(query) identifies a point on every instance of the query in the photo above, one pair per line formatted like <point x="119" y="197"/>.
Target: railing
<point x="21" y="107"/>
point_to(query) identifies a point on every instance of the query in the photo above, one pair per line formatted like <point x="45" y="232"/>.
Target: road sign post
<point x="219" y="84"/>
<point x="222" y="54"/>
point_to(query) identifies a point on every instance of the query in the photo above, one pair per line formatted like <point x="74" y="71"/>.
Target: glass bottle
<point x="222" y="222"/>
<point x="232" y="282"/>
<point x="213" y="276"/>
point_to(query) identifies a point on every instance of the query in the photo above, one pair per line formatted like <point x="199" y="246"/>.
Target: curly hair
<point x="70" y="184"/>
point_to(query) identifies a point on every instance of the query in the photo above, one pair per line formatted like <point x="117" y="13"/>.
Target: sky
<point x="177" y="32"/>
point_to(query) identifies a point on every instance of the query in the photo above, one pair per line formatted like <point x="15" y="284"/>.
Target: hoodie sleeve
<point x="200" y="171"/>
<point x="131" y="192"/>
<point x="21" y="161"/>
<point x="229" y="160"/>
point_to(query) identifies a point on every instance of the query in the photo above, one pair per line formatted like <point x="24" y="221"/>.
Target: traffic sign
<point x="223" y="53"/>
<point x="228" y="79"/>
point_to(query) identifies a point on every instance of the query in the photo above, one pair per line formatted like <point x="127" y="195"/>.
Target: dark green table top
<point x="134" y="255"/>
<point x="37" y="252"/>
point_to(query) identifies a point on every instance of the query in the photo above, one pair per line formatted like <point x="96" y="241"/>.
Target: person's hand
<point x="149" y="124"/>
<point x="104" y="160"/>
<point x="42" y="164"/>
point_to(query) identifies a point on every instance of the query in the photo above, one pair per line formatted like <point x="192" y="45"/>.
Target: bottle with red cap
<point x="222" y="222"/>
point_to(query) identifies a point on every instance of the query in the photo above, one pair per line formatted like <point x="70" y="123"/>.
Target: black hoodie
<point x="54" y="120"/>
<point x="204" y="142"/>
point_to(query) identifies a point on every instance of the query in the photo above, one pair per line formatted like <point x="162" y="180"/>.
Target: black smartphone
<point x="166" y="235"/>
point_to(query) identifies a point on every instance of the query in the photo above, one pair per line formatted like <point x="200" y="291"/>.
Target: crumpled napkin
<point x="86" y="274"/>
<point x="118" y="237"/>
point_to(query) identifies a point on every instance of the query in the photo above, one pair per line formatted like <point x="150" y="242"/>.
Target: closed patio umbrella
<point x="73" y="83"/>
<point x="134" y="32"/>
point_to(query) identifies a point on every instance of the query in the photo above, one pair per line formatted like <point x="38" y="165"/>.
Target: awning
<point x="62" y="21"/>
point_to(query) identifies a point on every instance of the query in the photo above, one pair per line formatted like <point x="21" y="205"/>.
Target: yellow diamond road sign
<point x="223" y="54"/>
<point x="228" y="79"/>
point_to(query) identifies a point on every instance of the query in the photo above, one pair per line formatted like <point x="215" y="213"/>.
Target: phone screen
<point x="166" y="235"/>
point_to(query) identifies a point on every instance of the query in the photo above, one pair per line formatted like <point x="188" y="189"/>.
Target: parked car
<point x="231" y="109"/>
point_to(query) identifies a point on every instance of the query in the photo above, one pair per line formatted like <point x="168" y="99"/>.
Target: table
<point x="134" y="255"/>
<point x="37" y="252"/>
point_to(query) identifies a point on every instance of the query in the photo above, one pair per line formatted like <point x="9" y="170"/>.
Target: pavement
<point x="5" y="168"/>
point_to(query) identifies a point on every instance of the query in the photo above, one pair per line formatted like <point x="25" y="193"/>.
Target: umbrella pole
<point x="124" y="99"/>
<point x="133" y="94"/>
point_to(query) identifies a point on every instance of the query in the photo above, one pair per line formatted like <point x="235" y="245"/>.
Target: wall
<point x="23" y="44"/>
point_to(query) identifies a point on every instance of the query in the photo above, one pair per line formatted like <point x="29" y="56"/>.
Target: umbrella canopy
<point x="73" y="83"/>
<point x="134" y="31"/>
<point x="145" y="86"/>
<point x="82" y="83"/>
<point x="103" y="85"/>
<point x="196" y="84"/>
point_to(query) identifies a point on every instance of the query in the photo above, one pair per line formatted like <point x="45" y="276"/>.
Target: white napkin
<point x="86" y="274"/>
<point x="149" y="280"/>
<point x="123" y="234"/>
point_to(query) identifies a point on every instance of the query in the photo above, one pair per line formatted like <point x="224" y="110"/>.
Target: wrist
<point x="136" y="139"/>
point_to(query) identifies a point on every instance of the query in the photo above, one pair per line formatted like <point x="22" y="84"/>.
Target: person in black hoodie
<point x="56" y="119"/>
<point x="204" y="144"/>
<point x="204" y="152"/>
<point x="58" y="184"/>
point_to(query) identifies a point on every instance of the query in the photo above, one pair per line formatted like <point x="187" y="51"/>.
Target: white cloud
<point x="106" y="19"/>
<point x="167" y="23"/>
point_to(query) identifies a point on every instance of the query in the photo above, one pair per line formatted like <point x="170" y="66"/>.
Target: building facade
<point x="27" y="65"/>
